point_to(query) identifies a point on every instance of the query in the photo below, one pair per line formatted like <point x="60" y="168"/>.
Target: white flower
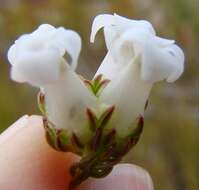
<point x="136" y="59"/>
<point x="96" y="119"/>
<point x="37" y="58"/>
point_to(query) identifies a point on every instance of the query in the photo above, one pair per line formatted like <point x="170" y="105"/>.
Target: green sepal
<point x="106" y="152"/>
<point x="101" y="123"/>
<point x="57" y="139"/>
<point x="101" y="148"/>
<point x="41" y="102"/>
<point x="96" y="85"/>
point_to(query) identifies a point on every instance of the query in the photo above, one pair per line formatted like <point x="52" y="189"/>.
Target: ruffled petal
<point x="16" y="75"/>
<point x="122" y="52"/>
<point x="37" y="68"/>
<point x="177" y="62"/>
<point x="114" y="25"/>
<point x="43" y="29"/>
<point x="12" y="54"/>
<point x="163" y="42"/>
<point x="99" y="22"/>
<point x="126" y="23"/>
<point x="160" y="58"/>
<point x="37" y="58"/>
<point x="159" y="63"/>
<point x="68" y="41"/>
<point x="37" y="39"/>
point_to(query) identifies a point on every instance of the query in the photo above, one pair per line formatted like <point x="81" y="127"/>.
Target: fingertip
<point x="28" y="162"/>
<point x="12" y="130"/>
<point x="123" y="176"/>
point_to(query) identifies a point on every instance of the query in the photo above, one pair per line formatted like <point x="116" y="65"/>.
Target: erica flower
<point x="100" y="119"/>
<point x="135" y="60"/>
<point x="38" y="59"/>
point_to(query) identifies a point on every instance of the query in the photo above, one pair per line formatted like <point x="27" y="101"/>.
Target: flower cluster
<point x="101" y="119"/>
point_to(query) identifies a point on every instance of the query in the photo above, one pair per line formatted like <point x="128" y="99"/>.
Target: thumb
<point x="28" y="162"/>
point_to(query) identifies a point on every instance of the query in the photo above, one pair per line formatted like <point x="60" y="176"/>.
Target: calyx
<point x="104" y="147"/>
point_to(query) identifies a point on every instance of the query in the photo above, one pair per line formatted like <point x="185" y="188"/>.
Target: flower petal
<point x="163" y="42"/>
<point x="126" y="23"/>
<point x="160" y="58"/>
<point x="12" y="53"/>
<point x="111" y="33"/>
<point x="66" y="41"/>
<point x="43" y="29"/>
<point x="109" y="68"/>
<point x="115" y="25"/>
<point x="16" y="75"/>
<point x="37" y="57"/>
<point x="67" y="101"/>
<point x="128" y="93"/>
<point x="160" y="63"/>
<point x="70" y="41"/>
<point x="123" y="50"/>
<point x="99" y="22"/>
<point x="178" y="60"/>
<point x="37" y="68"/>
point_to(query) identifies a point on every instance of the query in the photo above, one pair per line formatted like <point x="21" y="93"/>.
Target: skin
<point x="27" y="162"/>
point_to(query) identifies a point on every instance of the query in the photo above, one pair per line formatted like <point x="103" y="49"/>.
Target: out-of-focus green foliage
<point x="169" y="146"/>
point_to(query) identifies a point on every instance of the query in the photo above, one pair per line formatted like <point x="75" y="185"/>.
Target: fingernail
<point x="123" y="177"/>
<point x="12" y="130"/>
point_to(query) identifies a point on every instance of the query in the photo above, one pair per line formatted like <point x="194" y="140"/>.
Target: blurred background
<point x="169" y="147"/>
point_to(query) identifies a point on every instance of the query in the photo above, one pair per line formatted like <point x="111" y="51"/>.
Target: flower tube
<point x="135" y="60"/>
